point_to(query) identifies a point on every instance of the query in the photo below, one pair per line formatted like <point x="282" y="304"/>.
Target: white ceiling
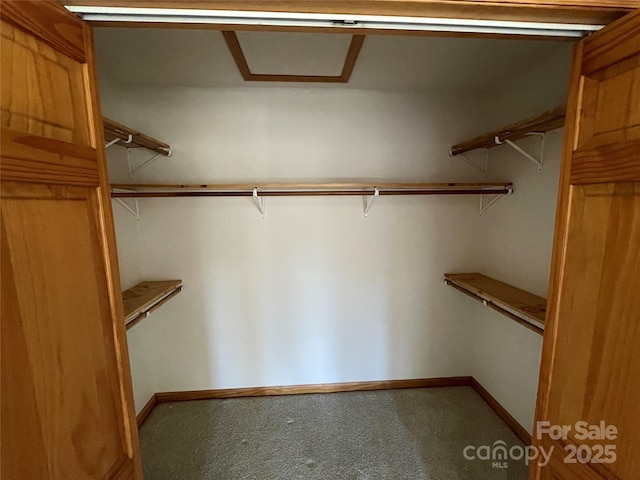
<point x="165" y="57"/>
<point x="294" y="53"/>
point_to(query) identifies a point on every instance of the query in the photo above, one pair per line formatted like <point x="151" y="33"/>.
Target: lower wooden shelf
<point x="146" y="297"/>
<point x="525" y="308"/>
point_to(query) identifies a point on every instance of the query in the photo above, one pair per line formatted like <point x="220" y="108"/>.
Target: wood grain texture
<point x="34" y="159"/>
<point x="608" y="118"/>
<point x="600" y="312"/>
<point x="523" y="303"/>
<point x="53" y="232"/>
<point x="308" y="189"/>
<point x="316" y="388"/>
<point x="114" y="130"/>
<point x="146" y="410"/>
<point x="48" y="107"/>
<point x="145" y="295"/>
<point x="14" y="351"/>
<point x="71" y="406"/>
<point x="572" y="11"/>
<point x="589" y="368"/>
<point x="132" y="468"/>
<point x="239" y="58"/>
<point x="558" y="253"/>
<point x="612" y="44"/>
<point x="502" y="412"/>
<point x="500" y="310"/>
<point x="137" y="319"/>
<point x="311" y="193"/>
<point x="45" y="20"/>
<point x="617" y="162"/>
<point x="544" y="122"/>
<point x="305" y="185"/>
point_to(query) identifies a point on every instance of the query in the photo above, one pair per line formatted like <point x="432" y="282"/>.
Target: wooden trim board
<point x="146" y="410"/>
<point x="502" y="412"/>
<point x="305" y="185"/>
<point x="114" y="130"/>
<point x="571" y="11"/>
<point x="464" y="381"/>
<point x="542" y="123"/>
<point x="235" y="48"/>
<point x="299" y="189"/>
<point x="525" y="308"/>
<point x="313" y="388"/>
<point x="145" y="296"/>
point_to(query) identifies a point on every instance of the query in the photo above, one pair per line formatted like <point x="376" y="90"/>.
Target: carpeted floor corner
<point x="391" y="434"/>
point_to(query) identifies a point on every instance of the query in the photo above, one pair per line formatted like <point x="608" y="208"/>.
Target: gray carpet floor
<point x="392" y="434"/>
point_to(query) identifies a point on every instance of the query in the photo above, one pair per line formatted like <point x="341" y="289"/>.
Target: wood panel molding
<point x="312" y="388"/>
<point x="502" y="412"/>
<point x="613" y="44"/>
<point x="146" y="410"/>
<point x="231" y="38"/>
<point x="464" y="381"/>
<point x="34" y="159"/>
<point x="571" y="11"/>
<point x="617" y="162"/>
<point x="36" y="17"/>
<point x="544" y="122"/>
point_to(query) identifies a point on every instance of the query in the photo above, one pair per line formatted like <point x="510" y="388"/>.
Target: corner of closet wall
<point x="139" y="341"/>
<point x="517" y="234"/>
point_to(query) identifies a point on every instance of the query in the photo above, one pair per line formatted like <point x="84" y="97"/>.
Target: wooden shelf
<point x="293" y="189"/>
<point x="146" y="297"/>
<point x="523" y="307"/>
<point x="116" y="131"/>
<point x="549" y="120"/>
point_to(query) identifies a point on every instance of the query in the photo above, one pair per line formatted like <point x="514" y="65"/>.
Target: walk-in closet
<point x="327" y="246"/>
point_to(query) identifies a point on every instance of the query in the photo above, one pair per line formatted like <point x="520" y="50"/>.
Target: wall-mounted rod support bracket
<point x="116" y="140"/>
<point x="484" y="207"/>
<point x="259" y="201"/>
<point x="539" y="162"/>
<point x="139" y="167"/>
<point x="133" y="211"/>
<point x="480" y="168"/>
<point x="368" y="200"/>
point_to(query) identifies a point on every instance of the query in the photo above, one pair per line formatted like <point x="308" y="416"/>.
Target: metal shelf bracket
<point x="116" y="140"/>
<point x="141" y="166"/>
<point x="539" y="162"/>
<point x="484" y="207"/>
<point x="259" y="201"/>
<point x="480" y="168"/>
<point x="368" y="200"/>
<point x="133" y="211"/>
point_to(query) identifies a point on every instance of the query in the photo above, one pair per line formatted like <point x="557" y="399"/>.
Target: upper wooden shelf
<point x="549" y="120"/>
<point x="128" y="137"/>
<point x="292" y="189"/>
<point x="523" y="307"/>
<point x="146" y="297"/>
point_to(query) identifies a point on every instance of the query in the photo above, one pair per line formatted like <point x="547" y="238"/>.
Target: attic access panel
<point x="312" y="53"/>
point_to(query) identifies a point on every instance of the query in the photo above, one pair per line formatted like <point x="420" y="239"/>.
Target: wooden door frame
<point x="594" y="12"/>
<point x="46" y="22"/>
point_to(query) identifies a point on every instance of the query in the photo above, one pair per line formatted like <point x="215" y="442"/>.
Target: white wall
<point x="315" y="293"/>
<point x="518" y="236"/>
<point x="140" y="339"/>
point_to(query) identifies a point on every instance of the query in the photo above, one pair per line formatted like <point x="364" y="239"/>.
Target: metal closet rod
<point x="285" y="190"/>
